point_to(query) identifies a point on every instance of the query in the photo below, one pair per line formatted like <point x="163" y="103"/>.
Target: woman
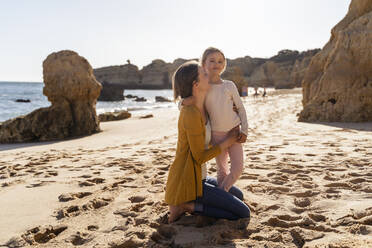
<point x="187" y="190"/>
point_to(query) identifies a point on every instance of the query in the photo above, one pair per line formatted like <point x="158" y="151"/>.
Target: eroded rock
<point x="72" y="89"/>
<point x="337" y="86"/>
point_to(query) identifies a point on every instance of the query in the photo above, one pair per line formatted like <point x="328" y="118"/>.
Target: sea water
<point x="11" y="91"/>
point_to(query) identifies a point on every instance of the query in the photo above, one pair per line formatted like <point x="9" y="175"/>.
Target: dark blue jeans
<point x="235" y="191"/>
<point x="218" y="203"/>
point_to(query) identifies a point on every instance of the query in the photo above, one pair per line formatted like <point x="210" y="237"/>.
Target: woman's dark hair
<point x="183" y="78"/>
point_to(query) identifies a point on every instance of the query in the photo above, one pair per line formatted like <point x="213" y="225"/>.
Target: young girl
<point x="219" y="102"/>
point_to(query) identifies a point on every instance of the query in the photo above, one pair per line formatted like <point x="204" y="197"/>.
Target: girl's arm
<point x="240" y="107"/>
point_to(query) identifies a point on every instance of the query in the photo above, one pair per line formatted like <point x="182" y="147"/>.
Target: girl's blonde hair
<point x="208" y="52"/>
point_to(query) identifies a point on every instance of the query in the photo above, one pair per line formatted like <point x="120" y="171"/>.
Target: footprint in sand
<point x="137" y="199"/>
<point x="92" y="182"/>
<point x="127" y="242"/>
<point x="164" y="232"/>
<point x="92" y="228"/>
<point x="79" y="238"/>
<point x="38" y="235"/>
<point x="317" y="217"/>
<point x="139" y="207"/>
<point x="249" y="176"/>
<point x="125" y="213"/>
<point x="73" y="196"/>
<point x="39" y="184"/>
<point x="75" y="210"/>
<point x="302" y="202"/>
<point x="156" y="188"/>
<point x="339" y="185"/>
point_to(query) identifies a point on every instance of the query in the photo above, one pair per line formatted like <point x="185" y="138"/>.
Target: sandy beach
<point x="307" y="184"/>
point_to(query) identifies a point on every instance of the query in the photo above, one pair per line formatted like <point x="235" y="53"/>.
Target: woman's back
<point x="184" y="178"/>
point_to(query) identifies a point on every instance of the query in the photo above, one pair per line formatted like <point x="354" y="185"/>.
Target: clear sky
<point x="110" y="32"/>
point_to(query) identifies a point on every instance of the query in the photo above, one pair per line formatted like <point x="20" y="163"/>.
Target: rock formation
<point x="338" y="82"/>
<point x="161" y="99"/>
<point x="72" y="89"/>
<point x="284" y="70"/>
<point x="22" y="100"/>
<point x="114" y="116"/>
<point x="111" y="92"/>
<point x="156" y="75"/>
<point x="128" y="76"/>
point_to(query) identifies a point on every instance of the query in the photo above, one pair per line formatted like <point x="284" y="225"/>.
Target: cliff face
<point x="156" y="75"/>
<point x="285" y="70"/>
<point x="127" y="75"/>
<point x="338" y="83"/>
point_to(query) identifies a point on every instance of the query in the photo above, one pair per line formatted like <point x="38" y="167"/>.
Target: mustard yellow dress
<point x="184" y="182"/>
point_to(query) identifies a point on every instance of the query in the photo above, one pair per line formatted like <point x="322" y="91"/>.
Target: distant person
<point x="264" y="93"/>
<point x="255" y="92"/>
<point x="188" y="189"/>
<point x="128" y="61"/>
<point x="219" y="104"/>
<point x="244" y="91"/>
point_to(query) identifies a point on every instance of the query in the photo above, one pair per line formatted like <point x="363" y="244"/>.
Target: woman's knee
<point x="236" y="192"/>
<point x="245" y="212"/>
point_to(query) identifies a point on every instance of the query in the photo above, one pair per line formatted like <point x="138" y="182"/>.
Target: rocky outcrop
<point x="156" y="75"/>
<point x="114" y="116"/>
<point x="127" y="75"/>
<point x="22" y="100"/>
<point x="338" y="82"/>
<point x="161" y="99"/>
<point x="111" y="92"/>
<point x="72" y="89"/>
<point x="246" y="65"/>
<point x="284" y="70"/>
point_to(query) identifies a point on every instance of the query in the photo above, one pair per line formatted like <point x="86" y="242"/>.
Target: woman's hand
<point x="242" y="138"/>
<point x="232" y="137"/>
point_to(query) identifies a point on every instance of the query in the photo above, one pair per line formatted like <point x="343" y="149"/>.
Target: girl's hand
<point x="242" y="138"/>
<point x="235" y="109"/>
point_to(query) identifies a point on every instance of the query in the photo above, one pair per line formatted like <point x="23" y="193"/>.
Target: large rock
<point x="127" y="76"/>
<point x="114" y="116"/>
<point x="72" y="90"/>
<point x="156" y="75"/>
<point x="115" y="79"/>
<point x="111" y="92"/>
<point x="338" y="82"/>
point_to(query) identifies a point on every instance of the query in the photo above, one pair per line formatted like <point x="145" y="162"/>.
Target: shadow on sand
<point x="8" y="146"/>
<point x="12" y="146"/>
<point x="358" y="126"/>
